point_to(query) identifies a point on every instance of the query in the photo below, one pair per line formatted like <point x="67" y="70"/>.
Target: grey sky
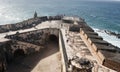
<point x="100" y="0"/>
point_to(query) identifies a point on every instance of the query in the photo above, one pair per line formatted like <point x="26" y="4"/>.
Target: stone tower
<point x="35" y="14"/>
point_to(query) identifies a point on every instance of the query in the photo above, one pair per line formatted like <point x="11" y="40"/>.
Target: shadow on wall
<point x="23" y="63"/>
<point x="53" y="38"/>
<point x="19" y="52"/>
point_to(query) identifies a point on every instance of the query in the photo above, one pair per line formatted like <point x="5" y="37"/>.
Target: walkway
<point x="51" y="62"/>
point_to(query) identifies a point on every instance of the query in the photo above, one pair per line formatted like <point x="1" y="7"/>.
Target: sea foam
<point x="109" y="38"/>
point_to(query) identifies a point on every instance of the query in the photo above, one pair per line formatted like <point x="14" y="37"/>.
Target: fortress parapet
<point x="105" y="53"/>
<point x="81" y="48"/>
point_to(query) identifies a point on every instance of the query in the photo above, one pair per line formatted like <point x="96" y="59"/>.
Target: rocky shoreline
<point x="112" y="33"/>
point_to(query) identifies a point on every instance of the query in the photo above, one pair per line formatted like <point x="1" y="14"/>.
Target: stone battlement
<point x="81" y="48"/>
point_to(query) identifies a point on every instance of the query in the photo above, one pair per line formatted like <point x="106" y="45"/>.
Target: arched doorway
<point x="19" y="53"/>
<point x="53" y="38"/>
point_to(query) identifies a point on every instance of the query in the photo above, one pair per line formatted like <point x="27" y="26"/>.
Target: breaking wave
<point x="107" y="37"/>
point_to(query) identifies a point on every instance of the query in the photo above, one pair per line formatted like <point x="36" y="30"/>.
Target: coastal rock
<point x="112" y="33"/>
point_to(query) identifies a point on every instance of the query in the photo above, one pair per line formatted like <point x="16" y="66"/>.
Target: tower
<point x="35" y="14"/>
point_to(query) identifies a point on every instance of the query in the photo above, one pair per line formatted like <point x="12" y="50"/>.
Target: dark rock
<point x="112" y="33"/>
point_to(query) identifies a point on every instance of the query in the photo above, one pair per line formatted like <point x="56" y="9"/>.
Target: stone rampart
<point x="105" y="53"/>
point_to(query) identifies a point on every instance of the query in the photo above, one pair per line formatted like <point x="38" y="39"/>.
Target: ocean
<point x="102" y="15"/>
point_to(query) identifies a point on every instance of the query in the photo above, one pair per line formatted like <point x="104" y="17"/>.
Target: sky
<point x="81" y="0"/>
<point x="100" y="0"/>
<point x="7" y="1"/>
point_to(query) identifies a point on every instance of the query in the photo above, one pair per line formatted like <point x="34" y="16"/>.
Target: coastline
<point x="113" y="39"/>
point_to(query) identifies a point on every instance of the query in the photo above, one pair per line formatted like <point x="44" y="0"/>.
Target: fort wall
<point x="63" y="53"/>
<point x="35" y="41"/>
<point x="22" y="41"/>
<point x="100" y="49"/>
<point x="26" y="24"/>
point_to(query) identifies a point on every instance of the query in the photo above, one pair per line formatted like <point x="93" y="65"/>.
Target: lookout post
<point x="35" y="14"/>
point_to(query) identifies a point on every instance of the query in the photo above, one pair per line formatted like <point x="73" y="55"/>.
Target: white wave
<point x="109" y="38"/>
<point x="93" y="16"/>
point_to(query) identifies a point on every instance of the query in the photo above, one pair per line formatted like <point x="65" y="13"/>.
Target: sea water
<point x="102" y="15"/>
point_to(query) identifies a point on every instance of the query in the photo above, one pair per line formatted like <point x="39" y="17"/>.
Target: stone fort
<point x="55" y="44"/>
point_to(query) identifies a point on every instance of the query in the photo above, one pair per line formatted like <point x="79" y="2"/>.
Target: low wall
<point x="22" y="25"/>
<point x="26" y="24"/>
<point x="28" y="48"/>
<point x="63" y="53"/>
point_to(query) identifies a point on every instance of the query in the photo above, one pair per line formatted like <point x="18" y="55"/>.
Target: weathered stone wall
<point x="11" y="46"/>
<point x="32" y="22"/>
<point x="63" y="53"/>
<point x="3" y="62"/>
<point x="29" y="42"/>
<point x="37" y="37"/>
<point x="105" y="53"/>
<point x="22" y="25"/>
